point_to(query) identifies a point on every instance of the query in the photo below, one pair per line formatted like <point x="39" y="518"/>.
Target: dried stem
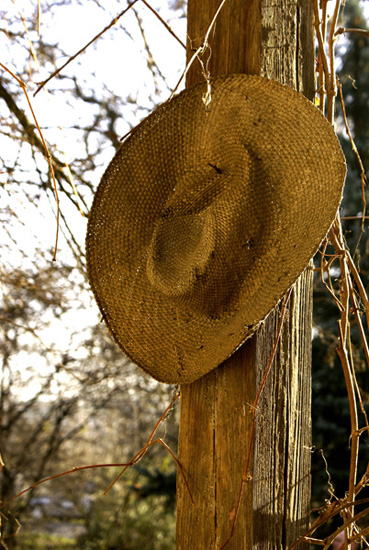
<point x="200" y="51"/>
<point x="164" y="23"/>
<point x="330" y="77"/>
<point x="320" y="29"/>
<point x="46" y="152"/>
<point x="350" y="386"/>
<point x="342" y="30"/>
<point x="111" y="24"/>
<point x="134" y="460"/>
<point x="347" y="300"/>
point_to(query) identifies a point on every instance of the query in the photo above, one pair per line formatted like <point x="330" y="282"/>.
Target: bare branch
<point x="73" y="57"/>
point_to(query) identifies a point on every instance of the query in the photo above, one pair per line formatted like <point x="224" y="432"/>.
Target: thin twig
<point x="141" y="453"/>
<point x="111" y="24"/>
<point x="164" y="23"/>
<point x="330" y="77"/>
<point x="46" y="151"/>
<point x="197" y="53"/>
<point x="61" y="474"/>
<point x="335" y="508"/>
<point x="356" y="311"/>
<point x="323" y="69"/>
<point x="324" y="267"/>
<point x="342" y="30"/>
<point x="200" y="51"/>
<point x="347" y="295"/>
<point x="362" y="169"/>
<point x="348" y="373"/>
<point x="124" y="465"/>
<point x="151" y="64"/>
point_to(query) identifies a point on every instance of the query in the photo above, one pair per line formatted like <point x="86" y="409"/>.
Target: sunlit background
<point x="68" y="396"/>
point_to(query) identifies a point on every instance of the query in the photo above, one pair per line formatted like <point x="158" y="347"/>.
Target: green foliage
<point x="129" y="526"/>
<point x="122" y="520"/>
<point x="41" y="541"/>
<point x="159" y="482"/>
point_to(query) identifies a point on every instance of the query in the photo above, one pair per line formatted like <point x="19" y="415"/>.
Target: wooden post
<point x="274" y="39"/>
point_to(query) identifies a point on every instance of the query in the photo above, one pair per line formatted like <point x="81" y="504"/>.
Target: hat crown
<point x="180" y="250"/>
<point x="204" y="219"/>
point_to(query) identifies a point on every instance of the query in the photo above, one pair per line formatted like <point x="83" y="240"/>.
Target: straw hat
<point x="204" y="219"/>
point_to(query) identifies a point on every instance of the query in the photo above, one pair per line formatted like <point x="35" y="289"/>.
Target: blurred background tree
<point x="68" y="396"/>
<point x="330" y="411"/>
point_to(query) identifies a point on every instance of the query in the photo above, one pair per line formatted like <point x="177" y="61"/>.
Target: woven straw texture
<point x="204" y="219"/>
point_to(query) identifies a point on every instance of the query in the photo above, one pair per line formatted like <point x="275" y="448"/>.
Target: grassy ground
<point x="42" y="541"/>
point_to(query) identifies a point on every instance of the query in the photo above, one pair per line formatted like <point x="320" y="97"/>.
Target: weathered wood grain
<point x="273" y="38"/>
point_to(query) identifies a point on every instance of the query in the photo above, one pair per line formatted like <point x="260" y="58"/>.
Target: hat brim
<point x="283" y="209"/>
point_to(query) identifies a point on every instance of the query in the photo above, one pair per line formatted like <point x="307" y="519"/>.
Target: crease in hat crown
<point x="205" y="217"/>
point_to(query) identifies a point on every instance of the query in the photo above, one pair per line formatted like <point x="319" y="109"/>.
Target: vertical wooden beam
<point x="282" y="475"/>
<point x="272" y="39"/>
<point x="235" y="40"/>
<point x="219" y="400"/>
